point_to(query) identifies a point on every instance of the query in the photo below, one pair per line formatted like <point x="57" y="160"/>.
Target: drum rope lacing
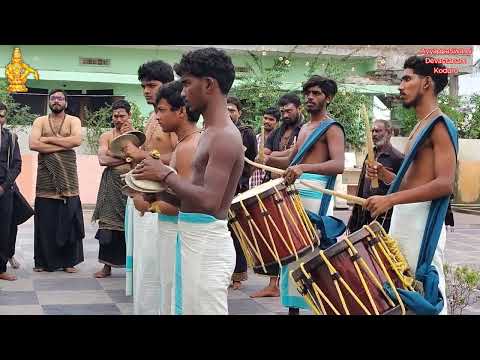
<point x="283" y="209"/>
<point x="385" y="243"/>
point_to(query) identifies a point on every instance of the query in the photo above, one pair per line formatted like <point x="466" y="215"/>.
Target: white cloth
<point x="311" y="200"/>
<point x="407" y="228"/>
<point x="207" y="262"/>
<point x="146" y="265"/>
<point x="167" y="239"/>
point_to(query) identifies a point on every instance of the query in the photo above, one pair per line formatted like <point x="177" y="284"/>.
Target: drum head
<point x="137" y="138"/>
<point x="260" y="189"/>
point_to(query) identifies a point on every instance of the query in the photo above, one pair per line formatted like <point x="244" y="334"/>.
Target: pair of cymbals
<point x="135" y="137"/>
<point x="145" y="186"/>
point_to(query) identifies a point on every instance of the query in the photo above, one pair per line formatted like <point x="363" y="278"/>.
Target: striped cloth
<point x="111" y="203"/>
<point x="258" y="175"/>
<point x="57" y="175"/>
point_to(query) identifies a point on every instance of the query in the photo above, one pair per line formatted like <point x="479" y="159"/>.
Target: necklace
<point x="416" y="128"/>
<point x="186" y="136"/>
<point x="57" y="132"/>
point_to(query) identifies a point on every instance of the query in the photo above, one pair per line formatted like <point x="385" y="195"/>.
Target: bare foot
<point x="237" y="285"/>
<point x="103" y="273"/>
<point x="8" y="277"/>
<point x="36" y="269"/>
<point x="267" y="292"/>
<point x="14" y="263"/>
<point x="70" y="270"/>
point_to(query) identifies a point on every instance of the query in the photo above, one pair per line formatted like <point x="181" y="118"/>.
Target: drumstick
<point x="351" y="198"/>
<point x="265" y="167"/>
<point x="371" y="156"/>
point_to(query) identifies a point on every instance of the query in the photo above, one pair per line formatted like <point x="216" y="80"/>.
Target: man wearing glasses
<point x="58" y="227"/>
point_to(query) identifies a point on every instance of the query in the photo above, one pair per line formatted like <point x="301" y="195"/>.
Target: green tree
<point x="261" y="86"/>
<point x="17" y="114"/>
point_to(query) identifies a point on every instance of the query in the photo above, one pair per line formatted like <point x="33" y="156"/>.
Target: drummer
<point x="421" y="191"/>
<point x="317" y="157"/>
<point x="110" y="204"/>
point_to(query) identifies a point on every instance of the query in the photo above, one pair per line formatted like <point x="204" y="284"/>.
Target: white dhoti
<point x="311" y="200"/>
<point x="407" y="228"/>
<point x="146" y="264"/>
<point x="129" y="220"/>
<point x="167" y="239"/>
<point x="205" y="265"/>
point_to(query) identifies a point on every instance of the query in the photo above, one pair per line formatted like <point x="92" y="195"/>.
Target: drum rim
<point x="280" y="187"/>
<point x="333" y="250"/>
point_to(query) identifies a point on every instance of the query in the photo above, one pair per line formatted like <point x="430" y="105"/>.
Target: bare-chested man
<point x="420" y="192"/>
<point x="111" y="203"/>
<point x="317" y="157"/>
<point x="207" y="258"/>
<point x="58" y="221"/>
<point x="140" y="224"/>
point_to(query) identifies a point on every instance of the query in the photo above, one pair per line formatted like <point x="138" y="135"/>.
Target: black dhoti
<point x="8" y="229"/>
<point x="112" y="250"/>
<point x="58" y="233"/>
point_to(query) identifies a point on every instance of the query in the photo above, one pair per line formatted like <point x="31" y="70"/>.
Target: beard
<point x="56" y="109"/>
<point x="413" y="103"/>
<point x="380" y="142"/>
<point x="315" y="109"/>
<point x="289" y="121"/>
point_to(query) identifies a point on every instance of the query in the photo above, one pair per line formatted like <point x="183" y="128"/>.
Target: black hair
<point x="273" y="111"/>
<point x="121" y="104"/>
<point x="208" y="62"/>
<point x="172" y="93"/>
<point x="156" y="70"/>
<point x="328" y="86"/>
<point x="2" y="106"/>
<point x="56" y="91"/>
<point x="421" y="66"/>
<point x="289" y="98"/>
<point x="235" y="101"/>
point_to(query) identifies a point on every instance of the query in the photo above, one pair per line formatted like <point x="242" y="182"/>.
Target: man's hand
<point x="131" y="150"/>
<point x="265" y="159"/>
<point x="378" y="205"/>
<point x="374" y="170"/>
<point x="1" y="190"/>
<point x="127" y="126"/>
<point x="293" y="173"/>
<point x="151" y="169"/>
<point x="140" y="204"/>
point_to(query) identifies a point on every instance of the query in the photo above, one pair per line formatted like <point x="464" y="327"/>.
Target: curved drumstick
<point x="351" y="198"/>
<point x="371" y="155"/>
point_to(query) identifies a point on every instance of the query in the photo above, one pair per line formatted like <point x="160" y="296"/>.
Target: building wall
<point x="59" y="67"/>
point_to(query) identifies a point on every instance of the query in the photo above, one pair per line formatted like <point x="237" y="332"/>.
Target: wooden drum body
<point x="272" y="226"/>
<point x="348" y="278"/>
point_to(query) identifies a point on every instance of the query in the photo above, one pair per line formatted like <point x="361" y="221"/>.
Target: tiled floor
<point x="59" y="293"/>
